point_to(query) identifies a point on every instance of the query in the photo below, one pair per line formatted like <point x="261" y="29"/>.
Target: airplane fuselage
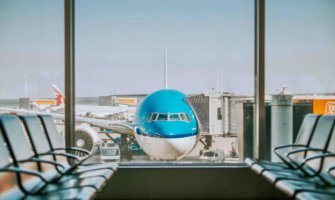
<point x="167" y="128"/>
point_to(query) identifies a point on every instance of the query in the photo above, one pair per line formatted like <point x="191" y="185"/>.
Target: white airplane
<point x="119" y="112"/>
<point x="48" y="105"/>
<point x="106" y="112"/>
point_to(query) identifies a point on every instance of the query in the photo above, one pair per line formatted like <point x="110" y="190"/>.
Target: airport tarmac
<point x="144" y="159"/>
<point x="220" y="144"/>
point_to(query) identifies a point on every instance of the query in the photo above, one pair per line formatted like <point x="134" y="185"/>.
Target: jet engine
<point x="87" y="138"/>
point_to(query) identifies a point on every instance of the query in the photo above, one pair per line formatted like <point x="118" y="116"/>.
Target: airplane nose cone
<point x="160" y="148"/>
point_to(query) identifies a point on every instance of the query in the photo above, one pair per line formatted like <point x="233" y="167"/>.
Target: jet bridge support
<point x="124" y="147"/>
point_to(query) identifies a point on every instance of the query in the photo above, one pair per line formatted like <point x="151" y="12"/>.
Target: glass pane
<point x="31" y="50"/>
<point x="128" y="50"/>
<point x="32" y="56"/>
<point x="32" y="60"/>
<point x="186" y="117"/>
<point x="174" y="117"/>
<point x="162" y="117"/>
<point x="300" y="65"/>
<point x="153" y="116"/>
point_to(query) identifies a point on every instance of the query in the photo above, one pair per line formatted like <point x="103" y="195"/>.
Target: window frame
<point x="259" y="76"/>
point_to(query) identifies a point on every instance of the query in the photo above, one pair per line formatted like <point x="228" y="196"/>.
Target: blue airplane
<point x="166" y="126"/>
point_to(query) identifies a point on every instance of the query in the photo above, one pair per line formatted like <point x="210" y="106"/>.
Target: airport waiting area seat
<point x="31" y="169"/>
<point x="307" y="170"/>
<point x="55" y="143"/>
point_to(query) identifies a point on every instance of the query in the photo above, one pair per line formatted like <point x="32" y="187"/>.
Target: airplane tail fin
<point x="58" y="95"/>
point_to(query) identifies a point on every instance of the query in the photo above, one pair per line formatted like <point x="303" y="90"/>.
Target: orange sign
<point x="45" y="101"/>
<point x="324" y="106"/>
<point x="126" y="101"/>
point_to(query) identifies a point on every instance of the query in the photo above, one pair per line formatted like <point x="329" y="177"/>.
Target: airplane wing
<point x="118" y="127"/>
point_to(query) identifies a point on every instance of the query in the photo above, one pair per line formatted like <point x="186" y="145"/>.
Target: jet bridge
<point x="215" y="112"/>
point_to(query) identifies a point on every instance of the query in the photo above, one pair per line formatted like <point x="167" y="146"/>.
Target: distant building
<point x="123" y="99"/>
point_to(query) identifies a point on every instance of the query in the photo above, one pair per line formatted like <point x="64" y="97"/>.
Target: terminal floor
<point x="187" y="182"/>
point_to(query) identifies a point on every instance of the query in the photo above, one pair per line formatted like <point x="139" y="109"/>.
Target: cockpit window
<point x="185" y="117"/>
<point x="174" y="117"/>
<point x="162" y="117"/>
<point x="168" y="117"/>
<point x="152" y="117"/>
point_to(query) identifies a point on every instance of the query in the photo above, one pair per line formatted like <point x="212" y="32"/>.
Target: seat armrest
<point x="288" y="154"/>
<point x="291" y="165"/>
<point x="331" y="168"/>
<point x="42" y="161"/>
<point x="63" y="154"/>
<point x="320" y="156"/>
<point x="302" y="164"/>
<point x="24" y="171"/>
<point x="288" y="145"/>
<point x="73" y="149"/>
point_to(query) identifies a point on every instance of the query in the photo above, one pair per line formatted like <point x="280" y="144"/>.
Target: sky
<point x="120" y="46"/>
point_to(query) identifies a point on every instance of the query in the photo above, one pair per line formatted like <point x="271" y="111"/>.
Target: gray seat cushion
<point x="315" y="196"/>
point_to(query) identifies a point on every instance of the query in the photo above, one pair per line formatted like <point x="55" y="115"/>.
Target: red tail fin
<point x="58" y="95"/>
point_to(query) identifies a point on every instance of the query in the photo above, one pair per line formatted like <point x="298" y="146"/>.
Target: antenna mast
<point x="165" y="74"/>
